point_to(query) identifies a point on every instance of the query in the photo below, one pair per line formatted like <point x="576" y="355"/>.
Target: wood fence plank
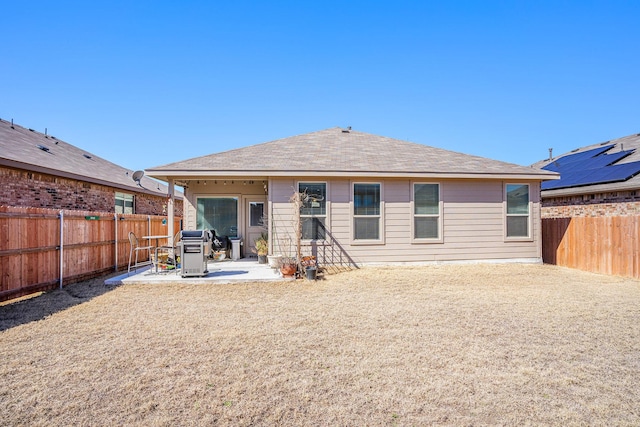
<point x="607" y="245"/>
<point x="29" y="246"/>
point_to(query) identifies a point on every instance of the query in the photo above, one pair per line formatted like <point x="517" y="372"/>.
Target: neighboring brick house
<point x="596" y="180"/>
<point x="40" y="170"/>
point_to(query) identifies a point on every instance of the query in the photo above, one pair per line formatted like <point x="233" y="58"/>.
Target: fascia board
<point x="55" y="172"/>
<point x="182" y="174"/>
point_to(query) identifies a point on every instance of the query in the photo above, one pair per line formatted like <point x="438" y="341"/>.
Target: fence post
<point x="61" y="247"/>
<point x="115" y="222"/>
<point x="148" y="225"/>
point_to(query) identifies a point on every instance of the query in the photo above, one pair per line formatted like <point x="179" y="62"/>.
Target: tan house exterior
<point x="370" y="199"/>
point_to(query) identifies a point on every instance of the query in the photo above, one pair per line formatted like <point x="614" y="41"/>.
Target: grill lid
<point x="193" y="235"/>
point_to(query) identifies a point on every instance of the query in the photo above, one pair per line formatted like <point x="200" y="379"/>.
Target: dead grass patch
<point x="448" y="345"/>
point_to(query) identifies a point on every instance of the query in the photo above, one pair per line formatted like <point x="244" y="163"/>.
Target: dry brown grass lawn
<point x="438" y="345"/>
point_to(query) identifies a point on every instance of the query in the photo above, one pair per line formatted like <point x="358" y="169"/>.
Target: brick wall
<point x="32" y="189"/>
<point x="621" y="203"/>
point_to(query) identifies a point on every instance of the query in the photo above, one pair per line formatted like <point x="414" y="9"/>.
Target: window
<point x="219" y="214"/>
<point x="313" y="213"/>
<point x="426" y="211"/>
<point x="366" y="211"/>
<point x="124" y="203"/>
<point x="517" y="196"/>
<point x="256" y="214"/>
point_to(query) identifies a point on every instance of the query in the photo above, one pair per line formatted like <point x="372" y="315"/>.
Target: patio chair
<point x="135" y="248"/>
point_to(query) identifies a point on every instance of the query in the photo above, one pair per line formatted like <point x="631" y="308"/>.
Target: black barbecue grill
<point x="194" y="251"/>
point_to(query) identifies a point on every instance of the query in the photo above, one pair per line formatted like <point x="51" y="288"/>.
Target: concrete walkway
<point x="227" y="271"/>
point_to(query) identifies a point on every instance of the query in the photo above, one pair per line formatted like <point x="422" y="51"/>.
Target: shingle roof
<point x="625" y="151"/>
<point x="31" y="150"/>
<point x="337" y="151"/>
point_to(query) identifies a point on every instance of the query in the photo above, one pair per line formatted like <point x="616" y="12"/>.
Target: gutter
<point x="57" y="172"/>
<point x="182" y="174"/>
<point x="584" y="190"/>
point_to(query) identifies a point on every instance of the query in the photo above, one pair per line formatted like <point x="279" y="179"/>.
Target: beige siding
<point x="282" y="218"/>
<point x="473" y="222"/>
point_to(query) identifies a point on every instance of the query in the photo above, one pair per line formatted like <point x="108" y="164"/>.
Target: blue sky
<point x="146" y="83"/>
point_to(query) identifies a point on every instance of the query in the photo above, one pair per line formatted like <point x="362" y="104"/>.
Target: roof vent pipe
<point x="550" y="153"/>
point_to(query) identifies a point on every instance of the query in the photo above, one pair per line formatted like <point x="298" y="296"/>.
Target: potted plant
<point x="288" y="266"/>
<point x="310" y="266"/>
<point x="261" y="245"/>
<point x="274" y="261"/>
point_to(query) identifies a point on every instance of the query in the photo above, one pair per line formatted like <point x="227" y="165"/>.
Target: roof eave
<point x="595" y="189"/>
<point x="56" y="172"/>
<point x="165" y="175"/>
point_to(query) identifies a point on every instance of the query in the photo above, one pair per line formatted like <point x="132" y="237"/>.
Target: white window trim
<point x="529" y="236"/>
<point x="264" y="209"/>
<point x="133" y="202"/>
<point x="413" y="215"/>
<point x="327" y="208"/>
<point x="352" y="217"/>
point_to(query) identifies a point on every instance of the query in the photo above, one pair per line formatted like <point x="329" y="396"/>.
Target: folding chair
<point x="136" y="248"/>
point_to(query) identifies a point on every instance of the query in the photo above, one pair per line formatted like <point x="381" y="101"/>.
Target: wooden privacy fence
<point x="32" y="241"/>
<point x="607" y="245"/>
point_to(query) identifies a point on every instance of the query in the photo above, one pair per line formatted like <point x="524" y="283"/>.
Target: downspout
<point x="539" y="223"/>
<point x="61" y="247"/>
<point x="271" y="229"/>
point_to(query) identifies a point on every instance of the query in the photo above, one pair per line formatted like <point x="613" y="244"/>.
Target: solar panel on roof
<point x="597" y="162"/>
<point x="591" y="167"/>
<point x="573" y="159"/>
<point x="607" y="174"/>
<point x="621" y="172"/>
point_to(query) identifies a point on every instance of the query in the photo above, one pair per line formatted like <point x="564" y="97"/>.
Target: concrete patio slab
<point x="227" y="271"/>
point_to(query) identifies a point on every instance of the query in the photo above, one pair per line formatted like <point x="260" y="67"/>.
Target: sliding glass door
<point x="219" y="214"/>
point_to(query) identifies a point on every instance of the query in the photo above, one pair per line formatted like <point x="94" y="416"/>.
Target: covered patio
<point x="226" y="271"/>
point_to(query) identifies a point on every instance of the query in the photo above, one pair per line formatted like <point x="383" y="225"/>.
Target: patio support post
<point x="170" y="212"/>
<point x="61" y="247"/>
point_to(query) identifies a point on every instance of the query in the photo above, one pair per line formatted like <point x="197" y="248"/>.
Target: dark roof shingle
<point x="338" y="151"/>
<point x="31" y="150"/>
